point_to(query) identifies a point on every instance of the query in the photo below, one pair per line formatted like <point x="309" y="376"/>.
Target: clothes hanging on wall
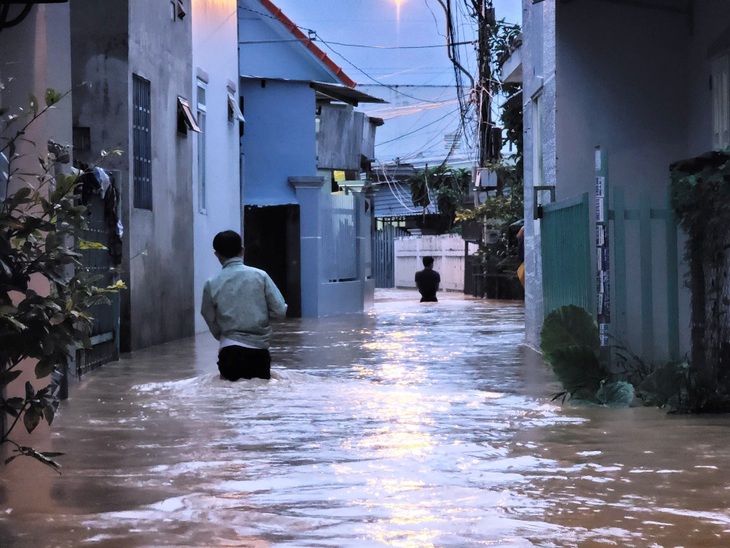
<point x="98" y="181"/>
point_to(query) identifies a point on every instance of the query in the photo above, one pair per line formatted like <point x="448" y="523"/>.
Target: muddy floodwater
<point x="411" y="425"/>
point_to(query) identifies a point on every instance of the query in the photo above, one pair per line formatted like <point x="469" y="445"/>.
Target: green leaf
<point x="31" y="418"/>
<point x="49" y="414"/>
<point x="578" y="370"/>
<point x="568" y="326"/>
<point x="6" y="377"/>
<point x="86" y="244"/>
<point x="52" y="97"/>
<point x="663" y="384"/>
<point x="14" y="405"/>
<point x="47" y="344"/>
<point x="44" y="367"/>
<point x="616" y="394"/>
<point x="41" y="457"/>
<point x="570" y="345"/>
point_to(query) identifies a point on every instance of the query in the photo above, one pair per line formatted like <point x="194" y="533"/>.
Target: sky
<point x="396" y="50"/>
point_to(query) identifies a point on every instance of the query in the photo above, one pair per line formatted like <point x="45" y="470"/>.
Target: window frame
<point x="202" y="142"/>
<point x="142" y="142"/>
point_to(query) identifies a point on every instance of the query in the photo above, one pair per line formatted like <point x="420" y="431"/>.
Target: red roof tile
<point x="308" y="43"/>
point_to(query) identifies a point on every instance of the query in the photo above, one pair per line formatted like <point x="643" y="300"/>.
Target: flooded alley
<point x="411" y="425"/>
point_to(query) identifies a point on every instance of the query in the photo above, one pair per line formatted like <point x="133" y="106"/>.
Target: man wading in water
<point x="427" y="281"/>
<point x="238" y="303"/>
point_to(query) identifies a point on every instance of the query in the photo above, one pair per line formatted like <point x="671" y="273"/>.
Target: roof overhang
<point x="677" y="6"/>
<point x="324" y="91"/>
<point x="512" y="67"/>
<point x="343" y="93"/>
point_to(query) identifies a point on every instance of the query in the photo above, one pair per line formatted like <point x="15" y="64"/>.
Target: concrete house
<point x="214" y="100"/>
<point x="137" y="70"/>
<point x="646" y="81"/>
<point x="301" y="128"/>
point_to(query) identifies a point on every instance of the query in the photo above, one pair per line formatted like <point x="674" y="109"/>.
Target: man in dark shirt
<point x="427" y="281"/>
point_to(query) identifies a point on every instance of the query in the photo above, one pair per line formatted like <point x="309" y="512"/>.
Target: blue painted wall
<point x="279" y="139"/>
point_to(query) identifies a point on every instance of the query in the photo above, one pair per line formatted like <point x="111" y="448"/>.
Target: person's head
<point x="428" y="262"/>
<point x="227" y="244"/>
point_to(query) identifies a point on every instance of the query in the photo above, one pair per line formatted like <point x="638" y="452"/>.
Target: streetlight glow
<point x="398" y="4"/>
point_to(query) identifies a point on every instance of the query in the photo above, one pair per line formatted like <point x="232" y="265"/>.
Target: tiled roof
<point x="308" y="43"/>
<point x="394" y="200"/>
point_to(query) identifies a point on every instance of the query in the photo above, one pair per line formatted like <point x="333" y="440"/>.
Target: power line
<point x="371" y="77"/>
<point x="344" y="44"/>
<point x="313" y="36"/>
<point x="419" y="129"/>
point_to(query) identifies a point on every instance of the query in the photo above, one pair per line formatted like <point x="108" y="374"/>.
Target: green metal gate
<point x="566" y="254"/>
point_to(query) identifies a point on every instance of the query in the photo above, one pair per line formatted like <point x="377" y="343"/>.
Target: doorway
<point x="271" y="242"/>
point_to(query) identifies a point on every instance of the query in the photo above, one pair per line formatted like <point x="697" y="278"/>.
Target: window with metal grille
<point x="142" y="142"/>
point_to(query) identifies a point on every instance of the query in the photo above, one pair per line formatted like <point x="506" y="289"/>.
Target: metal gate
<point x="566" y="254"/>
<point x="384" y="255"/>
<point x="105" y="332"/>
<point x="643" y="275"/>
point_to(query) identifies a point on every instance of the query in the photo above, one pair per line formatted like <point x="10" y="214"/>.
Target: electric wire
<point x="313" y="36"/>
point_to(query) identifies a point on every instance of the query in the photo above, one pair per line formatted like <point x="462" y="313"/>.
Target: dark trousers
<point x="238" y="362"/>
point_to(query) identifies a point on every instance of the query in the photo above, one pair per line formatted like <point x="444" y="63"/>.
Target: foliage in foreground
<point x="701" y="203"/>
<point x="570" y="346"/>
<point x="40" y="223"/>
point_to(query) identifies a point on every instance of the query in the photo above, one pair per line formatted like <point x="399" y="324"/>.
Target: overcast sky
<point x="388" y="45"/>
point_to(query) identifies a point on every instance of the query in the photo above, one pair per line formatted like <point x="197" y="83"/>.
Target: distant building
<point x="301" y="128"/>
<point x="593" y="78"/>
<point x="132" y="78"/>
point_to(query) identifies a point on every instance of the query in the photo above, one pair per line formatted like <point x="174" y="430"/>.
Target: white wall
<point x="601" y="82"/>
<point x="215" y="60"/>
<point x="538" y="58"/>
<point x="447" y="251"/>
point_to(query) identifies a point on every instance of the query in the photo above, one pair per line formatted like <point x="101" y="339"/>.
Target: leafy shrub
<point x="40" y="222"/>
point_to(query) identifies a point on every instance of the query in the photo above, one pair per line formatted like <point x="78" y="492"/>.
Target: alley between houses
<point x="411" y="425"/>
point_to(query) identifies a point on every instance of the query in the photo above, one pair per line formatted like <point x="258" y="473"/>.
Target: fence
<point x="448" y="251"/>
<point x="643" y="275"/>
<point x="566" y="254"/>
<point x="645" y="278"/>
<point x="104" y="335"/>
<point x="339" y="239"/>
<point x="384" y="255"/>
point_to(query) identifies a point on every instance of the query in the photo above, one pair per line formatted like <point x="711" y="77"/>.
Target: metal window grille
<point x="142" y="143"/>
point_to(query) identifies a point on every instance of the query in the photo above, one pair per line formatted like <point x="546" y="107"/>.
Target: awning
<point x="234" y="112"/>
<point x="344" y="94"/>
<point x="335" y="92"/>
<point x="186" y="119"/>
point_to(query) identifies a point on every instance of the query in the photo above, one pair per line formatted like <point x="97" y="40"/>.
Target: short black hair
<point x="427" y="260"/>
<point x="228" y="243"/>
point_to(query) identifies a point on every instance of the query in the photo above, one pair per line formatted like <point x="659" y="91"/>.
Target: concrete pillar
<point x="309" y="196"/>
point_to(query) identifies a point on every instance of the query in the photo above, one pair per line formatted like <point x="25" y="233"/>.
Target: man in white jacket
<point x="237" y="305"/>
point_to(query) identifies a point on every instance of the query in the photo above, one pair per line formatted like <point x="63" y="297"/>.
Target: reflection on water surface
<point x="410" y="426"/>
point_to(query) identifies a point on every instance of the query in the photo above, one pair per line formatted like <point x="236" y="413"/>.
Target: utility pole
<point x="489" y="137"/>
<point x="487" y="21"/>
